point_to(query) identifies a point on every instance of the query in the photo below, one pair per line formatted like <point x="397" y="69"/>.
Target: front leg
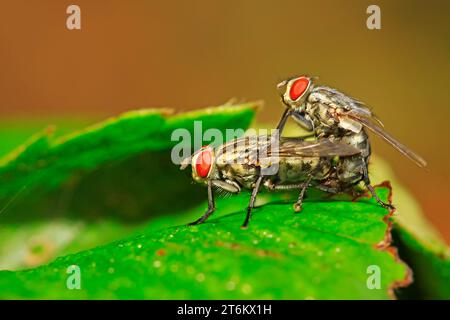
<point x="299" y="119"/>
<point x="303" y="121"/>
<point x="287" y="113"/>
<point x="252" y="202"/>
<point x="211" y="206"/>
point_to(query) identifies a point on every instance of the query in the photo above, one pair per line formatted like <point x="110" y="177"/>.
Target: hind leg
<point x="298" y="204"/>
<point x="373" y="192"/>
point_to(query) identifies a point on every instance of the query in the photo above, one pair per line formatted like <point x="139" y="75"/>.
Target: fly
<point x="331" y="114"/>
<point x="245" y="163"/>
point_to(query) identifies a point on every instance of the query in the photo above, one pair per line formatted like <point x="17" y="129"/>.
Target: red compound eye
<point x="203" y="163"/>
<point x="298" y="88"/>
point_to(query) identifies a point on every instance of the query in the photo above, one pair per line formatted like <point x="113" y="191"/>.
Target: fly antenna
<point x="185" y="163"/>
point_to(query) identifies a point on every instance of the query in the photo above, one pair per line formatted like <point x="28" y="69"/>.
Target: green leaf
<point x="419" y="243"/>
<point x="74" y="191"/>
<point x="322" y="253"/>
<point x="77" y="192"/>
<point x="431" y="266"/>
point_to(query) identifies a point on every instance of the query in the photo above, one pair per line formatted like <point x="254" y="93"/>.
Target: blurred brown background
<point x="188" y="54"/>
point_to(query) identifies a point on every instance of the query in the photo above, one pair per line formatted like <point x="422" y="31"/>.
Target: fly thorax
<point x="322" y="116"/>
<point x="323" y="130"/>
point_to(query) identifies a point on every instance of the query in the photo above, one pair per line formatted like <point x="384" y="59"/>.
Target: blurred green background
<point x="189" y="54"/>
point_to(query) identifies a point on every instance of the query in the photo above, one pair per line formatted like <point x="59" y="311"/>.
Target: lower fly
<point x="256" y="161"/>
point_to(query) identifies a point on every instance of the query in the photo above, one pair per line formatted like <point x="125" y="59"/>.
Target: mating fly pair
<point x="335" y="162"/>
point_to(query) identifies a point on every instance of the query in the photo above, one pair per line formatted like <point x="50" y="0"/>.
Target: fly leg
<point x="286" y="186"/>
<point x="303" y="122"/>
<point x="300" y="119"/>
<point x="287" y="113"/>
<point x="252" y="202"/>
<point x="298" y="204"/>
<point x="302" y="186"/>
<point x="211" y="206"/>
<point x="372" y="190"/>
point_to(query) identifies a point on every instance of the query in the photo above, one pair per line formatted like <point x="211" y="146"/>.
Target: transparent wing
<point x="390" y="139"/>
<point x="357" y="111"/>
<point x="251" y="150"/>
<point x="293" y="147"/>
